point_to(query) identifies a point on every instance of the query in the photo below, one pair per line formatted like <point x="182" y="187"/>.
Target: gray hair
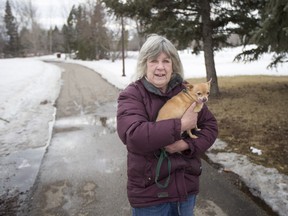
<point x="154" y="45"/>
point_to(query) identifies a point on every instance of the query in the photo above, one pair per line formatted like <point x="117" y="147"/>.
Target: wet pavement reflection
<point x="85" y="156"/>
<point x="105" y="124"/>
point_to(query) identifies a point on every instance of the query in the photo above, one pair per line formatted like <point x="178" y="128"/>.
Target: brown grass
<point x="253" y="111"/>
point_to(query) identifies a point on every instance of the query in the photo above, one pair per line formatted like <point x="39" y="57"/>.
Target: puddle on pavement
<point x="106" y="165"/>
<point x="98" y="132"/>
<point x="98" y="129"/>
<point x="103" y="117"/>
<point x="104" y="124"/>
<point x="26" y="163"/>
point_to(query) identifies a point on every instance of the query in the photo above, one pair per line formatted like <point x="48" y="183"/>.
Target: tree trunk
<point x="208" y="46"/>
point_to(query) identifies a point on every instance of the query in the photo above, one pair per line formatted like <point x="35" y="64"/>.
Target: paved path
<point x="83" y="172"/>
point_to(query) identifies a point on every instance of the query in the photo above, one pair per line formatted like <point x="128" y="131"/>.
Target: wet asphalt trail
<point x="84" y="169"/>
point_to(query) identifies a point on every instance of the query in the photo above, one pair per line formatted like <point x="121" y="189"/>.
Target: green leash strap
<point x="161" y="158"/>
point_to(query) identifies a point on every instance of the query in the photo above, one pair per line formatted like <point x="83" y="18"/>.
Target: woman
<point x="157" y="184"/>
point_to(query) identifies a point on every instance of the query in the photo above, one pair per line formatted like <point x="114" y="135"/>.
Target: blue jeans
<point x="168" y="209"/>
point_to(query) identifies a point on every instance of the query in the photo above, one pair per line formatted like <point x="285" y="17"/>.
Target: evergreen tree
<point x="86" y="33"/>
<point x="64" y="31"/>
<point x="99" y="32"/>
<point x="2" y="43"/>
<point x="271" y="33"/>
<point x="211" y="23"/>
<point x="69" y="31"/>
<point x="12" y="47"/>
<point x="57" y="38"/>
<point x="180" y="21"/>
<point x="25" y="38"/>
<point x="84" y="39"/>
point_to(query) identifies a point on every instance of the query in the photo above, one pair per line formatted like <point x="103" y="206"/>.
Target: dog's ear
<point x="209" y="82"/>
<point x="188" y="85"/>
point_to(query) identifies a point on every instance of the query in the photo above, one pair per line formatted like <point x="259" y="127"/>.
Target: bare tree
<point x="2" y="28"/>
<point x="26" y="13"/>
<point x="115" y="33"/>
<point x="27" y="16"/>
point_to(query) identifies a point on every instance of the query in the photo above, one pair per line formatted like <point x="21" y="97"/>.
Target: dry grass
<point x="253" y="111"/>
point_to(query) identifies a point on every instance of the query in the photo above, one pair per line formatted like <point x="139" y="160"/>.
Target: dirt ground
<point x="252" y="111"/>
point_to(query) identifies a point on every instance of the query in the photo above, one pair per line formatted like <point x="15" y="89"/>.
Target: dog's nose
<point x="204" y="100"/>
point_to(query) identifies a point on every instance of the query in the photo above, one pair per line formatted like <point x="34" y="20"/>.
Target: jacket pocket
<point x="194" y="167"/>
<point x="136" y="167"/>
<point x="149" y="172"/>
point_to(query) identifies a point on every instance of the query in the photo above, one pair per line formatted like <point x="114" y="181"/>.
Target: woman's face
<point x="159" y="71"/>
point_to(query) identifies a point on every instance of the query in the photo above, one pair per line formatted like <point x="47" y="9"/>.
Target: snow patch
<point x="266" y="183"/>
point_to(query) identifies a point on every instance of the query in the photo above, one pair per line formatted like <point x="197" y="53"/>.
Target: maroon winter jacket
<point x="138" y="106"/>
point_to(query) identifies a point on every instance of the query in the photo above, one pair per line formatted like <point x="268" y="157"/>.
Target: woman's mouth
<point x="160" y="75"/>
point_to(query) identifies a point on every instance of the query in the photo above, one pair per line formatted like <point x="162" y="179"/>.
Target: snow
<point x="255" y="150"/>
<point x="29" y="88"/>
<point x="266" y="183"/>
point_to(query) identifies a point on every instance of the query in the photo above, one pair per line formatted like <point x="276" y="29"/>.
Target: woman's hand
<point x="189" y="119"/>
<point x="177" y="146"/>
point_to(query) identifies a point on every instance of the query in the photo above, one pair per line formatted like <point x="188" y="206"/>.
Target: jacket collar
<point x="176" y="79"/>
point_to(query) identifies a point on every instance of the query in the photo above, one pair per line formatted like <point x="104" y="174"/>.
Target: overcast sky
<point x="54" y="12"/>
<point x="49" y="12"/>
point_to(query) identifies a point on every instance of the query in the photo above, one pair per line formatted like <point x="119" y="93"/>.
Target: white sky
<point x="54" y="12"/>
<point x="49" y="12"/>
<point x="22" y="92"/>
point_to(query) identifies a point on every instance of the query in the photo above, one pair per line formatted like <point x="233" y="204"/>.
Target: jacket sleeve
<point x="206" y="136"/>
<point x="140" y="135"/>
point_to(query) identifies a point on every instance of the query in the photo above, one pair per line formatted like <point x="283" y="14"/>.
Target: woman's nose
<point x="160" y="65"/>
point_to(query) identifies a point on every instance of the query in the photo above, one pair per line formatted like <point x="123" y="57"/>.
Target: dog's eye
<point x="208" y="93"/>
<point x="199" y="93"/>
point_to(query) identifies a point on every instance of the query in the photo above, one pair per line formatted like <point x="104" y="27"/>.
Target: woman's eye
<point x="153" y="61"/>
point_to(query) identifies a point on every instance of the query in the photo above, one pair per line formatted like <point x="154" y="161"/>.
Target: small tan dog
<point x="177" y="105"/>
